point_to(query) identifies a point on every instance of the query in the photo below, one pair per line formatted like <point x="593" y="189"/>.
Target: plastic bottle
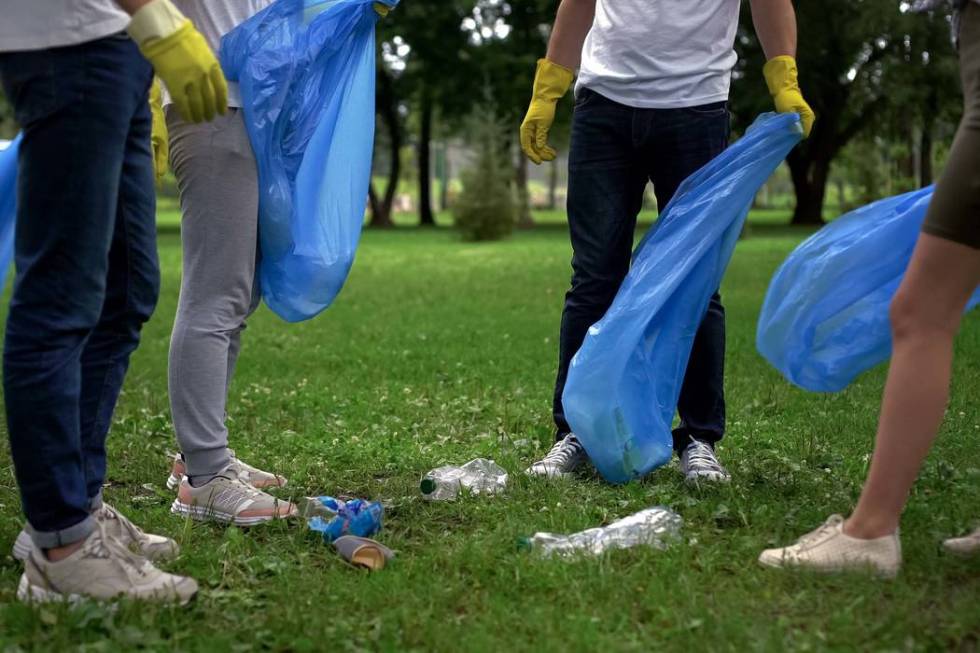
<point x="480" y="476"/>
<point x="653" y="527"/>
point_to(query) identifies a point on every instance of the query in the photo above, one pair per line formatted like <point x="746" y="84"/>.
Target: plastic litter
<point x="653" y="527"/>
<point x="479" y="476"/>
<point x="825" y="317"/>
<point x="363" y="552"/>
<point x="306" y="70"/>
<point x="334" y="518"/>
<point x="624" y="382"/>
<point x="8" y="204"/>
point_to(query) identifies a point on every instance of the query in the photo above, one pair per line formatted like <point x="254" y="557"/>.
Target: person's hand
<point x="551" y="82"/>
<point x="781" y="78"/>
<point x="182" y="59"/>
<point x="382" y="9"/>
<point x="159" y="138"/>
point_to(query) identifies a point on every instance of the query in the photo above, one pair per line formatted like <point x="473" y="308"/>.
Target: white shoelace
<point x="701" y="455"/>
<point x="563" y="451"/>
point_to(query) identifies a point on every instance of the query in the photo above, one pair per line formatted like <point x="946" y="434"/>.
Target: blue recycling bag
<point x="8" y="205"/>
<point x="306" y="70"/>
<point x="624" y="383"/>
<point x="825" y="317"/>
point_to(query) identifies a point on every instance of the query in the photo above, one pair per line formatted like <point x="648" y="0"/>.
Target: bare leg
<point x="925" y="315"/>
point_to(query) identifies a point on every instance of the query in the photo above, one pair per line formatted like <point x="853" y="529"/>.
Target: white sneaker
<point x="148" y="545"/>
<point x="565" y="457"/>
<point x="226" y="498"/>
<point x="967" y="545"/>
<point x="829" y="549"/>
<point x="699" y="463"/>
<point x="101" y="569"/>
<point x="252" y="475"/>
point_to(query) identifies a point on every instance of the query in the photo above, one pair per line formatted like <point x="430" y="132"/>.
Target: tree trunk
<point x="925" y="154"/>
<point x="426" y="216"/>
<point x="524" y="219"/>
<point x="810" y="185"/>
<point x="553" y="185"/>
<point x="387" y="104"/>
<point x="446" y="177"/>
<point x="841" y="196"/>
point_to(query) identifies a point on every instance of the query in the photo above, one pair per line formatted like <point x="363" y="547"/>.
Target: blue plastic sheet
<point x="624" y="382"/>
<point x="825" y="317"/>
<point x="306" y="71"/>
<point x="8" y="205"/>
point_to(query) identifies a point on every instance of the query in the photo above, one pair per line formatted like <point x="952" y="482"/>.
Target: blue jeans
<point x="87" y="272"/>
<point x="615" y="150"/>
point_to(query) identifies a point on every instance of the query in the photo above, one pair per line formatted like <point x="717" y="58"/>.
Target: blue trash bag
<point x="306" y="71"/>
<point x="624" y="382"/>
<point x="825" y="317"/>
<point x="8" y="205"/>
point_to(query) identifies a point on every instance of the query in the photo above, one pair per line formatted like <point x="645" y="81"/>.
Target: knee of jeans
<point x="594" y="289"/>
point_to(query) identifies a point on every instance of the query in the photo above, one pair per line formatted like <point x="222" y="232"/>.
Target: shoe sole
<point x="28" y="593"/>
<point x="204" y="514"/>
<point x="864" y="569"/>
<point x="711" y="478"/>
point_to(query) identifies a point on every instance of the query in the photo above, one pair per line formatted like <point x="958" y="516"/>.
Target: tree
<point x="852" y="57"/>
<point x="388" y="112"/>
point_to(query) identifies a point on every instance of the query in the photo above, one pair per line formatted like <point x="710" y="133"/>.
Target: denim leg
<point x="605" y="194"/>
<point x="75" y="106"/>
<point x="132" y="287"/>
<point x="683" y="141"/>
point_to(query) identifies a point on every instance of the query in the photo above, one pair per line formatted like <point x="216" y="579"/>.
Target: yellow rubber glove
<point x="780" y="74"/>
<point x="551" y="82"/>
<point x="382" y="9"/>
<point x="182" y="59"/>
<point x="159" y="139"/>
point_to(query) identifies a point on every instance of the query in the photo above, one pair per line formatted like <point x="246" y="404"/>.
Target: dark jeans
<point x="615" y="150"/>
<point x="87" y="273"/>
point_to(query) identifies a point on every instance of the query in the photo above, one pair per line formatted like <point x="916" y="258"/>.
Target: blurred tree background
<point x="882" y="81"/>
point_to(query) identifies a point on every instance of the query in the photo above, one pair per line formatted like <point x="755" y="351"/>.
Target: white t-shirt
<point x="661" y="54"/>
<point x="214" y="19"/>
<point x="41" y="24"/>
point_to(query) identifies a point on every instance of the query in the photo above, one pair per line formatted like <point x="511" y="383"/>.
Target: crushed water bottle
<point x="334" y="518"/>
<point x="480" y="476"/>
<point x="654" y="527"/>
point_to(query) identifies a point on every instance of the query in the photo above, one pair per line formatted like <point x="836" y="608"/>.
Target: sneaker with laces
<point x="101" y="569"/>
<point x="254" y="476"/>
<point x="699" y="463"/>
<point x="565" y="457"/>
<point x="148" y="545"/>
<point x="829" y="549"/>
<point x="227" y="498"/>
<point x="967" y="545"/>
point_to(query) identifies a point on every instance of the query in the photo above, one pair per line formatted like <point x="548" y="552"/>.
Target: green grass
<point x="437" y="352"/>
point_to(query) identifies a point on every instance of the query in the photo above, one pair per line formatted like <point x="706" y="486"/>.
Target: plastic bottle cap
<point x="524" y="544"/>
<point x="428" y="486"/>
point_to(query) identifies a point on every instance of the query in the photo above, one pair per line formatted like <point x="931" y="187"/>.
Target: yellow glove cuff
<point x="781" y="75"/>
<point x="381" y="9"/>
<point x="157" y="19"/>
<point x="551" y="81"/>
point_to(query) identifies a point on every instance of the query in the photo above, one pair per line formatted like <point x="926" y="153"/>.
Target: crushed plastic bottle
<point x="653" y="527"/>
<point x="480" y="476"/>
<point x="333" y="518"/>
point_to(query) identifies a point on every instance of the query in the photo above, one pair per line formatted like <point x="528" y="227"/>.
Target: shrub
<point x="486" y="208"/>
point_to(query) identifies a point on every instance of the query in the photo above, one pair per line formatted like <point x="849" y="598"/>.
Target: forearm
<point x="775" y="25"/>
<point x="131" y="6"/>
<point x="572" y="25"/>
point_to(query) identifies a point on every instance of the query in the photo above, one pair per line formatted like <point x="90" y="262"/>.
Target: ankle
<point x="862" y="528"/>
<point x="59" y="553"/>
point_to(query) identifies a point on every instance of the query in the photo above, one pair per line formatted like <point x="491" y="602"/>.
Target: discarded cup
<point x="480" y="476"/>
<point x="363" y="552"/>
<point x="654" y="527"/>
<point x="333" y="518"/>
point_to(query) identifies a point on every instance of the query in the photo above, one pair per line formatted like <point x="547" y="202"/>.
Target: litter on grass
<point x="479" y="476"/>
<point x="653" y="527"/>
<point x="334" y="518"/>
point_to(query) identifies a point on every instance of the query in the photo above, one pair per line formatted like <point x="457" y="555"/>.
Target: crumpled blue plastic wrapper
<point x="8" y="205"/>
<point x="306" y="71"/>
<point x="624" y="382"/>
<point x="353" y="517"/>
<point x="825" y="317"/>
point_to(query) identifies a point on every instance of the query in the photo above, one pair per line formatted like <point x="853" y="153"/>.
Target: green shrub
<point x="486" y="208"/>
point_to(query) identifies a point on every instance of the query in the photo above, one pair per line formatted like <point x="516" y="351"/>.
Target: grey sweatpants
<point x="217" y="180"/>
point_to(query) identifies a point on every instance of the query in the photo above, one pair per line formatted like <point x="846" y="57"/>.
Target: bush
<point x="486" y="208"/>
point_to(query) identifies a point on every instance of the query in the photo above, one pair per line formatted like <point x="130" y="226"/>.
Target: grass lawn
<point x="438" y="352"/>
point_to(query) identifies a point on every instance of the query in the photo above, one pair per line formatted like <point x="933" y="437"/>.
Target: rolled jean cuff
<point x="207" y="462"/>
<point x="63" y="537"/>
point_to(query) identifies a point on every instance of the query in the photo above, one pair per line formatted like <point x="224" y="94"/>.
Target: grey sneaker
<point x="227" y="498"/>
<point x="699" y="463"/>
<point x="101" y="569"/>
<point x="967" y="545"/>
<point x="251" y="475"/>
<point x="565" y="457"/>
<point x="148" y="545"/>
